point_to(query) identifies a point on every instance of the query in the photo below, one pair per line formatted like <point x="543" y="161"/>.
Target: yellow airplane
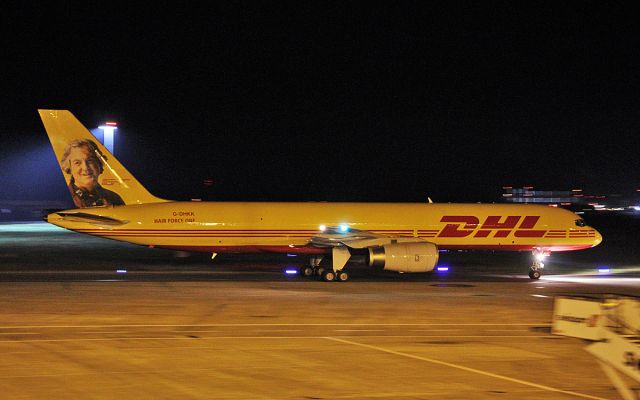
<point x="402" y="237"/>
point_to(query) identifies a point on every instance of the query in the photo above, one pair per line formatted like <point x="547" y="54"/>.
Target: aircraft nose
<point x="598" y="239"/>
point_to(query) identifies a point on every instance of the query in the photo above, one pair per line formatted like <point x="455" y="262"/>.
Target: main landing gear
<point x="338" y="276"/>
<point x="326" y="272"/>
<point x="535" y="271"/>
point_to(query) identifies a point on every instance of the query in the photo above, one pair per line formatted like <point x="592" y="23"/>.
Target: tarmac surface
<point x="90" y="318"/>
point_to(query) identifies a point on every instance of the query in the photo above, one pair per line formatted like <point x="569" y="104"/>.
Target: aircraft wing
<point x="356" y="239"/>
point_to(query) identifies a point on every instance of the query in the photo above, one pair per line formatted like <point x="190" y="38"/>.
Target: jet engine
<point x="404" y="257"/>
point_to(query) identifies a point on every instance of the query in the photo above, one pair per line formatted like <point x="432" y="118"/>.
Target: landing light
<point x="322" y="228"/>
<point x="540" y="256"/>
<point x="344" y="228"/>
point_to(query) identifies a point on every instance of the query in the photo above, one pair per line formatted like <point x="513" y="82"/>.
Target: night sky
<point x="330" y="101"/>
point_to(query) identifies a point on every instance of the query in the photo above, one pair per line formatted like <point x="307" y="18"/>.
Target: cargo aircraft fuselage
<point x="402" y="237"/>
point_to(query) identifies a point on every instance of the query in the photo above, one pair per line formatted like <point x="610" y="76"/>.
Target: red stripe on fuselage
<point x="249" y="249"/>
<point x="517" y="247"/>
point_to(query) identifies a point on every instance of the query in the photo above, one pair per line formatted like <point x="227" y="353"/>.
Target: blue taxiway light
<point x="291" y="271"/>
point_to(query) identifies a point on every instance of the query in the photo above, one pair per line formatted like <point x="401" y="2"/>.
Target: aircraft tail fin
<point x="94" y="176"/>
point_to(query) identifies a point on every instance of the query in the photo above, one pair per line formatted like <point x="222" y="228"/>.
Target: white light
<point x="540" y="257"/>
<point x="344" y="228"/>
<point x="322" y="228"/>
<point x="443" y="269"/>
<point x="109" y="132"/>
<point x="121" y="271"/>
<point x="290" y="272"/>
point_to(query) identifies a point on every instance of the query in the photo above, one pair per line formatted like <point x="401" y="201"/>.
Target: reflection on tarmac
<point x="594" y="280"/>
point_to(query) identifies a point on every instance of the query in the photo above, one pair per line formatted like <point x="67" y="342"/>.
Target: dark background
<point x="341" y="101"/>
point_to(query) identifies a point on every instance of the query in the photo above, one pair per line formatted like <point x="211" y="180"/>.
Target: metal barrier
<point x="613" y="323"/>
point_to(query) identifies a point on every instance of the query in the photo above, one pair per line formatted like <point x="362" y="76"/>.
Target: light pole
<point x="109" y="129"/>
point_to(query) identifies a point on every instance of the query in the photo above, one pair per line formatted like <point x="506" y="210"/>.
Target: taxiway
<point x="90" y="318"/>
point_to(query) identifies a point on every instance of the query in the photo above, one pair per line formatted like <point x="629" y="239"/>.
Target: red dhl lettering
<point x="502" y="226"/>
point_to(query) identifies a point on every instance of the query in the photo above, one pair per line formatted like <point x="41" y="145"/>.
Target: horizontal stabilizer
<point x="76" y="216"/>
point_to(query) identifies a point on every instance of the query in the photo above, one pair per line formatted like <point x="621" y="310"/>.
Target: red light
<point x="111" y="123"/>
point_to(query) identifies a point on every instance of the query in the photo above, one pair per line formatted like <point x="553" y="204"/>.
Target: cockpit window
<point x="580" y="222"/>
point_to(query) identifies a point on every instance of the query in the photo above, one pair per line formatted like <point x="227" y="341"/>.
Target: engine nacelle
<point x="404" y="257"/>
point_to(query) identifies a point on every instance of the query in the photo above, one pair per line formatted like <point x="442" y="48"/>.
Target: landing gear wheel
<point x="306" y="271"/>
<point x="534" y="274"/>
<point x="328" y="276"/>
<point x="342" y="276"/>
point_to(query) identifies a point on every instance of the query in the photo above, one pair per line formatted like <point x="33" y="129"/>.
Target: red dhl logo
<point x="465" y="225"/>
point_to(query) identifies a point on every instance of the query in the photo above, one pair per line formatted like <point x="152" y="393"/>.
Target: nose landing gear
<point x="534" y="273"/>
<point x="535" y="269"/>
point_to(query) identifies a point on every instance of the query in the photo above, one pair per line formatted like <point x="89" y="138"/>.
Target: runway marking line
<point x="463" y="368"/>
<point x="103" y="332"/>
<point x="20" y="333"/>
<point x="270" y="337"/>
<point x="268" y="324"/>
